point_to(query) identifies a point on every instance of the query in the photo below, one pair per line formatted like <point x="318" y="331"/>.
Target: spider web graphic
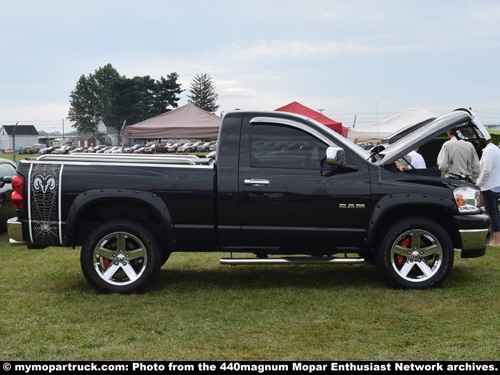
<point x="44" y="209"/>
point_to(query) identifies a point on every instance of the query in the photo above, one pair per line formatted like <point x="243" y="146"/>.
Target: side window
<point x="281" y="146"/>
<point x="7" y="170"/>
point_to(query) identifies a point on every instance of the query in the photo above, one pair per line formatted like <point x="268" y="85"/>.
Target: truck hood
<point x="468" y="126"/>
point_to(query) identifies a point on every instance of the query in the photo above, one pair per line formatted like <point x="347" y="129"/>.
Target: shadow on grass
<point x="248" y="278"/>
<point x="245" y="277"/>
<point x="269" y="277"/>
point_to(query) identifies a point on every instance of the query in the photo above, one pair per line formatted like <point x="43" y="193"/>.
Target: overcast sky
<point x="363" y="59"/>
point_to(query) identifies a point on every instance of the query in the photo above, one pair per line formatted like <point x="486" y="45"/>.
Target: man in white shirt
<point x="416" y="160"/>
<point x="458" y="157"/>
<point x="489" y="182"/>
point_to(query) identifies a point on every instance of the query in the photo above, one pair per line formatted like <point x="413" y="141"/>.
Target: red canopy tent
<point x="296" y="107"/>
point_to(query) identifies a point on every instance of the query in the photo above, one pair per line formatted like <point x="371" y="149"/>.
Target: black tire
<point x="415" y="253"/>
<point x="120" y="257"/>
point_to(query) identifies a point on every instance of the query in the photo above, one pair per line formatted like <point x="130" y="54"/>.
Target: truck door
<point x="289" y="200"/>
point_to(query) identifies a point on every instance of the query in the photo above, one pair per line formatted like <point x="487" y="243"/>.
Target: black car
<point x="7" y="210"/>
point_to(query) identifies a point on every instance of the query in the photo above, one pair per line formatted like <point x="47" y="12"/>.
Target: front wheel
<point x="415" y="253"/>
<point x="120" y="257"/>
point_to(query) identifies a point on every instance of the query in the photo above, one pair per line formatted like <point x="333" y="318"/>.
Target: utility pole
<point x="122" y="134"/>
<point x="14" y="142"/>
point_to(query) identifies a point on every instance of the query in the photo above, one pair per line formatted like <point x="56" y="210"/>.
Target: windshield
<point x="365" y="154"/>
<point x="342" y="141"/>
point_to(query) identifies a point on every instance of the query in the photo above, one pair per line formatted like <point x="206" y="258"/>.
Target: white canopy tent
<point x="382" y="129"/>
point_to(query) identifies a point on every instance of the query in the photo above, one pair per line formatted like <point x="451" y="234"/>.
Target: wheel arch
<point x="394" y="207"/>
<point x="92" y="208"/>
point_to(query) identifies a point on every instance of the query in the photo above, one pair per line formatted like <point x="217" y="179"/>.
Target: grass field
<point x="201" y="310"/>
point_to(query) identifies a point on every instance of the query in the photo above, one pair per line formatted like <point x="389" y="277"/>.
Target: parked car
<point x="78" y="149"/>
<point x="7" y="210"/>
<point x="32" y="150"/>
<point x="144" y="150"/>
<point x="175" y="146"/>
<point x="195" y="146"/>
<point x="47" y="150"/>
<point x="97" y="148"/>
<point x="160" y="147"/>
<point x="186" y="147"/>
<point x="63" y="149"/>
<point x="205" y="146"/>
<point x="113" y="150"/>
<point x="103" y="150"/>
<point x="134" y="148"/>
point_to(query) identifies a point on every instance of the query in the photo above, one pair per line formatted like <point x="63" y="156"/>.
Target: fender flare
<point x="390" y="201"/>
<point x="87" y="198"/>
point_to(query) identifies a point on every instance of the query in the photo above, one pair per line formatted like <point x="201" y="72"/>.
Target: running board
<point x="291" y="260"/>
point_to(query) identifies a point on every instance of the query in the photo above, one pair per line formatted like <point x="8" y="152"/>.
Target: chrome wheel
<point x="120" y="258"/>
<point x="416" y="255"/>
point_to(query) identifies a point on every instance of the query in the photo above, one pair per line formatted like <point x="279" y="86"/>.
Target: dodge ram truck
<point x="282" y="189"/>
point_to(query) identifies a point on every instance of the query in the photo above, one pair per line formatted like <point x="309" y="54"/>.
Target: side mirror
<point x="4" y="180"/>
<point x="335" y="156"/>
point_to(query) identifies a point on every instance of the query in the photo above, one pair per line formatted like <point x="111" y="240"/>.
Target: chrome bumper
<point x="15" y="231"/>
<point x="473" y="242"/>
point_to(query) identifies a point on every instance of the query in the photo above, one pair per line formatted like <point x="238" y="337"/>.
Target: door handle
<point x="255" y="182"/>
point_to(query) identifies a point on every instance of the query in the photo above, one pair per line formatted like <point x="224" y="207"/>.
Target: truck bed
<point x="128" y="158"/>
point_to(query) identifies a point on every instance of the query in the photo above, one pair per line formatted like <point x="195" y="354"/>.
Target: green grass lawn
<point x="201" y="310"/>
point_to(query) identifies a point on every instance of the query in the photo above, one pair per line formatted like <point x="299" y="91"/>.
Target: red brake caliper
<point x="106" y="262"/>
<point x="400" y="260"/>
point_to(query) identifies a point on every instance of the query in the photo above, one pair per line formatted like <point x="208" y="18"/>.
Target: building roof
<point x="21" y="129"/>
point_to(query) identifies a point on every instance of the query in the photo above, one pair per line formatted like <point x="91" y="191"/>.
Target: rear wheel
<point x="120" y="257"/>
<point x="415" y="253"/>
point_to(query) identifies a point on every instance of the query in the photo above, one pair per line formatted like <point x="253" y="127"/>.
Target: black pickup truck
<point x="281" y="189"/>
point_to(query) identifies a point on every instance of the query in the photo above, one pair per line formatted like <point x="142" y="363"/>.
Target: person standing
<point x="416" y="159"/>
<point x="459" y="157"/>
<point x="489" y="182"/>
<point x="413" y="159"/>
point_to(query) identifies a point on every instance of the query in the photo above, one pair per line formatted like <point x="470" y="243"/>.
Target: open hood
<point x="468" y="127"/>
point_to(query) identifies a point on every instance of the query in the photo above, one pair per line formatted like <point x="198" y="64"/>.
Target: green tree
<point x="90" y="101"/>
<point x="139" y="98"/>
<point x="165" y="94"/>
<point x="202" y="93"/>
<point x="107" y="96"/>
<point x="131" y="100"/>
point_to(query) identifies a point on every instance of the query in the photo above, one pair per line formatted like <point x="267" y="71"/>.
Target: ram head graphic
<point x="44" y="183"/>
